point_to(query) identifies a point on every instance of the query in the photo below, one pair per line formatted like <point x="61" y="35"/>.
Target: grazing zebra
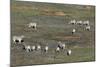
<point x="32" y="25"/>
<point x="86" y="22"/>
<point x="27" y="48"/>
<point x="72" y="22"/>
<point x="61" y="45"/>
<point x="73" y="31"/>
<point x="38" y="47"/>
<point x="69" y="52"/>
<point x="46" y="49"/>
<point x="79" y="22"/>
<point x="58" y="49"/>
<point x="87" y="28"/>
<point x="18" y="39"/>
<point x="33" y="48"/>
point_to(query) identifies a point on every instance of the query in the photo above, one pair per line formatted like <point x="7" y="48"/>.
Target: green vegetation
<point x="52" y="26"/>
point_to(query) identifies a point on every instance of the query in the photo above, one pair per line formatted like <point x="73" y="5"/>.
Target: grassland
<point x="52" y="26"/>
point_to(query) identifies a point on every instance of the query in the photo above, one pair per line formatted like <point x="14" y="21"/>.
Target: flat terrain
<point x="52" y="26"/>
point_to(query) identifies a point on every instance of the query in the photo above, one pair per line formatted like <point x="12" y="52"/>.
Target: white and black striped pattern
<point x="18" y="39"/>
<point x="32" y="25"/>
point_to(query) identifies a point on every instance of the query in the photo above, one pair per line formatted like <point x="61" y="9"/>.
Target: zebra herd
<point x="85" y="24"/>
<point x="79" y="22"/>
<point x="19" y="40"/>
